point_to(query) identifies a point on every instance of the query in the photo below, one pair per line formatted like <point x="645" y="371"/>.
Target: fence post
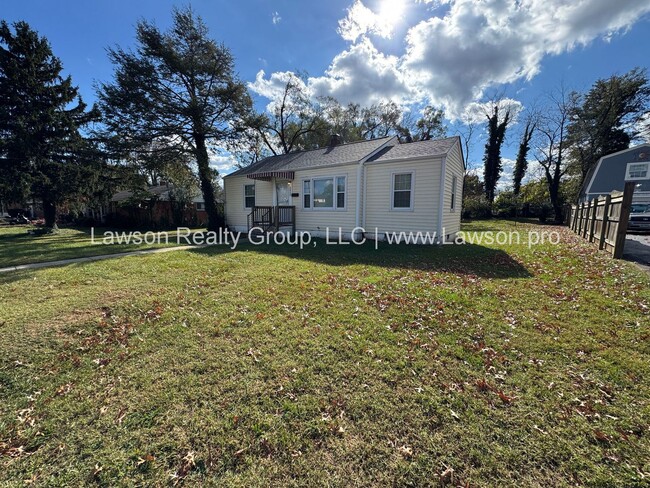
<point x="603" y="229"/>
<point x="585" y="226"/>
<point x="579" y="223"/>
<point x="592" y="226"/>
<point x="621" y="229"/>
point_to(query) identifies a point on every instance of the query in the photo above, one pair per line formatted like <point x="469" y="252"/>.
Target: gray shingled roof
<point x="349" y="153"/>
<point x="397" y="151"/>
<point x="326" y="156"/>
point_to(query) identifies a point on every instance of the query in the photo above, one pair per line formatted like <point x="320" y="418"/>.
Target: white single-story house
<point x="372" y="187"/>
<point x="609" y="175"/>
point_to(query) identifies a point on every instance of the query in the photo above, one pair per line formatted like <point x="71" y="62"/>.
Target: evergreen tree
<point x="607" y="118"/>
<point x="492" y="159"/>
<point x="43" y="154"/>
<point x="179" y="89"/>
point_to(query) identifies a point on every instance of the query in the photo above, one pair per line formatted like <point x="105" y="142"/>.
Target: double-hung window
<point x="306" y="194"/>
<point x="249" y="196"/>
<point x="402" y="198"/>
<point x="340" y="192"/>
<point x="327" y="193"/>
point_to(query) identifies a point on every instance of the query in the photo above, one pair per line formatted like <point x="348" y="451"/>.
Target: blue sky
<point x="450" y="53"/>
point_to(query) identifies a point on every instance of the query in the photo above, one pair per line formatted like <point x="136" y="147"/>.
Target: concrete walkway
<point x="637" y="249"/>
<point x="63" y="262"/>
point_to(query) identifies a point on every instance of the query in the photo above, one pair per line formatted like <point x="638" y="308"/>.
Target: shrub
<point x="544" y="211"/>
<point x="507" y="205"/>
<point x="476" y="208"/>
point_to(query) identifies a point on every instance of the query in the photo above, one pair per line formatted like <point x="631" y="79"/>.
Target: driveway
<point x="637" y="248"/>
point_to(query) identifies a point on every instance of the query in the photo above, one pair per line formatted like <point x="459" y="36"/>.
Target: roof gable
<point x="609" y="174"/>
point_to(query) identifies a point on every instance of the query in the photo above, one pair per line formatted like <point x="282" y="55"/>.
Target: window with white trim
<point x="326" y="193"/>
<point x="402" y="191"/>
<point x="454" y="182"/>
<point x="340" y="192"/>
<point x="249" y="196"/>
<point x="306" y="193"/>
<point x="200" y="206"/>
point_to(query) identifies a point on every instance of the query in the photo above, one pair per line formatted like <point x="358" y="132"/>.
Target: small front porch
<point x="272" y="218"/>
<point x="281" y="215"/>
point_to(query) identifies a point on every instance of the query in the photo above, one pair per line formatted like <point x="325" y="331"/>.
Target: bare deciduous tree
<point x="551" y="148"/>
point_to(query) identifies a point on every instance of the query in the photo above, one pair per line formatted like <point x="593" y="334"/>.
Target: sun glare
<point x="391" y="11"/>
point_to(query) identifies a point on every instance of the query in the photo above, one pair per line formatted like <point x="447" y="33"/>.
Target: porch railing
<point x="270" y="218"/>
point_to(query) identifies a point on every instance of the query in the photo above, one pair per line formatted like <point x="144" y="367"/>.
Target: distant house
<point x="609" y="175"/>
<point x="380" y="185"/>
<point x="152" y="206"/>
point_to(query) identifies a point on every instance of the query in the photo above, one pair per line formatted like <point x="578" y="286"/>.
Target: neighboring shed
<point x="609" y="175"/>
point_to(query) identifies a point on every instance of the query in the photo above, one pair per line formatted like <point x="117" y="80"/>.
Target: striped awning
<point x="269" y="175"/>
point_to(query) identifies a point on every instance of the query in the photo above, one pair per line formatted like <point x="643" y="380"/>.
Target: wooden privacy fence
<point x="603" y="220"/>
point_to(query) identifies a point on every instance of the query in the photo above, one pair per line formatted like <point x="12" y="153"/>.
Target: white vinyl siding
<point x="235" y="210"/>
<point x="453" y="167"/>
<point x="317" y="220"/>
<point x="379" y="212"/>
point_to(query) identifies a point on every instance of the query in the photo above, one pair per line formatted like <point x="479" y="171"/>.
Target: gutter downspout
<point x="360" y="219"/>
<point x="357" y="216"/>
<point x="441" y="203"/>
<point x="363" y="203"/>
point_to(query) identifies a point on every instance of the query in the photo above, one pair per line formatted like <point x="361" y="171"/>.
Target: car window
<point x="639" y="208"/>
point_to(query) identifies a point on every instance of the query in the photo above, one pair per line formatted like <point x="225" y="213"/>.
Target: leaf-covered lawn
<point x="340" y="366"/>
<point x="18" y="246"/>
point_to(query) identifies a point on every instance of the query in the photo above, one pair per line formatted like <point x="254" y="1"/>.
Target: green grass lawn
<point x="333" y="366"/>
<point x="18" y="246"/>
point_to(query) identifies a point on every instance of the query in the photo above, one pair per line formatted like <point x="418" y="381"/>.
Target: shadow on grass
<point x="22" y="248"/>
<point x="467" y="259"/>
<point x="461" y="259"/>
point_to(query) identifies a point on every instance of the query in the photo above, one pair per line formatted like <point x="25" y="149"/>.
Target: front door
<point x="283" y="190"/>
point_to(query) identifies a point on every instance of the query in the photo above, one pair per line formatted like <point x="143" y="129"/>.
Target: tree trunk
<point x="554" y="193"/>
<point x="49" y="212"/>
<point x="215" y="219"/>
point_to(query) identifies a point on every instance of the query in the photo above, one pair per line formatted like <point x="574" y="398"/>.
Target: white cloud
<point x="360" y="20"/>
<point x="533" y="172"/>
<point x="275" y="18"/>
<point x="360" y="74"/>
<point x="463" y="48"/>
<point x="364" y="75"/>
<point x="477" y="45"/>
<point x="222" y="161"/>
<point x="273" y="87"/>
<point x="478" y="112"/>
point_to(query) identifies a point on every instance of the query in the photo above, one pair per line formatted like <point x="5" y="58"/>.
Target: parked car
<point x="19" y="219"/>
<point x="639" y="217"/>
